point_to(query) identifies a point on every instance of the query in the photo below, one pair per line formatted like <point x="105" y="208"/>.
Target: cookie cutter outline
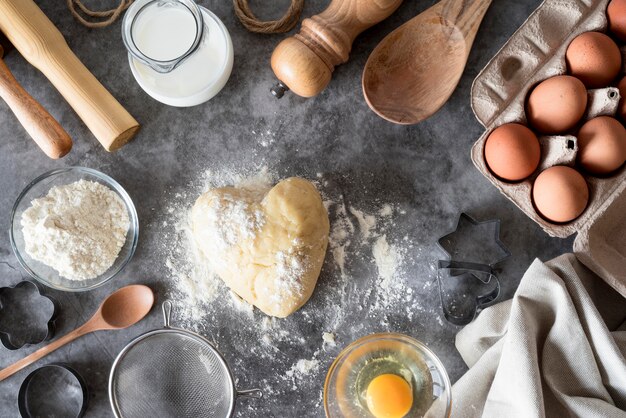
<point x="7" y="338"/>
<point x="479" y="271"/>
<point x="22" y="398"/>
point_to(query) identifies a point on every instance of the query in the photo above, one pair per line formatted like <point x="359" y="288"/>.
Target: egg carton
<point x="535" y="52"/>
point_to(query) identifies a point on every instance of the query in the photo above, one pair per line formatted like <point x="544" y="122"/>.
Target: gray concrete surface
<point x="425" y="169"/>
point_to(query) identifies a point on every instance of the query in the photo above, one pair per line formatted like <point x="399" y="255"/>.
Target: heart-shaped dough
<point x="267" y="246"/>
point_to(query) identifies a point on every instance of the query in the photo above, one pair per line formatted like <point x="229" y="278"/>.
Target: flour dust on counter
<point x="193" y="278"/>
<point x="265" y="138"/>
<point x="366" y="266"/>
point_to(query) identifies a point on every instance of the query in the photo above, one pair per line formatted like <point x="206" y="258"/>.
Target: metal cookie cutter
<point x="26" y="315"/>
<point x="54" y="390"/>
<point x="467" y="280"/>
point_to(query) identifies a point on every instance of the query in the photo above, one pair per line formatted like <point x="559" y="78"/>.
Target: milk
<point x="164" y="32"/>
<point x="169" y="35"/>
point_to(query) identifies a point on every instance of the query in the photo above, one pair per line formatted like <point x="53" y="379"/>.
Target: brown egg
<point x="556" y="105"/>
<point x="616" y="13"/>
<point x="594" y="58"/>
<point x="560" y="194"/>
<point x="512" y="152"/>
<point x="601" y="145"/>
<point x="621" y="110"/>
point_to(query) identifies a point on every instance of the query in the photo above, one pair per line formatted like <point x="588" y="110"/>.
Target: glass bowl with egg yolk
<point x="387" y="376"/>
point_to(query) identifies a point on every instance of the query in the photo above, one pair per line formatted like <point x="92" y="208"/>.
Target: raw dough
<point x="267" y="246"/>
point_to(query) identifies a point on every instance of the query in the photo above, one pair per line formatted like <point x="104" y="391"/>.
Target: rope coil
<point x="253" y="24"/>
<point x="77" y="7"/>
<point x="103" y="18"/>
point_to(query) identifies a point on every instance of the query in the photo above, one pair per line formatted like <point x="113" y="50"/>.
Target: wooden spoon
<point x="39" y="124"/>
<point x="121" y="309"/>
<point x="415" y="69"/>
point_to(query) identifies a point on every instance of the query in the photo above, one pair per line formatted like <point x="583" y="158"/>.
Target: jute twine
<point x="284" y="24"/>
<point x="94" y="18"/>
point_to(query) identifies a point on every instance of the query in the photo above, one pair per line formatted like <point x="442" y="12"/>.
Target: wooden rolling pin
<point x="304" y="63"/>
<point x="39" y="124"/>
<point x="41" y="43"/>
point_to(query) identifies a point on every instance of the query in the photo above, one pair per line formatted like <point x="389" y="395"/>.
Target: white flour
<point x="366" y="223"/>
<point x="289" y="267"/>
<point x="387" y="260"/>
<point x="364" y="286"/>
<point x="328" y="340"/>
<point x="265" y="138"/>
<point x="354" y="234"/>
<point x="386" y="210"/>
<point x="77" y="229"/>
<point x="341" y="231"/>
<point x="194" y="281"/>
<point x="302" y="368"/>
<point x="234" y="211"/>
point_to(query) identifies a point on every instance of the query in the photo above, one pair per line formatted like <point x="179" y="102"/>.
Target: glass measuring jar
<point x="180" y="53"/>
<point x="163" y="33"/>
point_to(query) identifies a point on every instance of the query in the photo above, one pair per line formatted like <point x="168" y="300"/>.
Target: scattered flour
<point x="340" y="233"/>
<point x="303" y="368"/>
<point x="194" y="280"/>
<point x="290" y="266"/>
<point x="78" y="229"/>
<point x="241" y="304"/>
<point x="363" y="280"/>
<point x="366" y="223"/>
<point x="235" y="211"/>
<point x="328" y="339"/>
<point x="355" y="235"/>
<point x="386" y="210"/>
<point x="265" y="138"/>
<point x="387" y="261"/>
<point x="388" y="257"/>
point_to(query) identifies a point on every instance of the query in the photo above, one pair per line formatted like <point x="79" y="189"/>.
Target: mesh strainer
<point x="172" y="372"/>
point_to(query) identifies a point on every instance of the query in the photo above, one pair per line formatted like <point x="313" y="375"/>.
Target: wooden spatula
<point x="39" y="124"/>
<point x="415" y="69"/>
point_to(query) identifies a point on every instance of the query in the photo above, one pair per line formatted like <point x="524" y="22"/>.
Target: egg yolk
<point x="389" y="396"/>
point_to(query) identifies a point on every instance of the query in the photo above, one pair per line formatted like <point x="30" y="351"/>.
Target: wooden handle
<point x="465" y="15"/>
<point x="39" y="124"/>
<point x="41" y="43"/>
<point x="42" y="352"/>
<point x="306" y="61"/>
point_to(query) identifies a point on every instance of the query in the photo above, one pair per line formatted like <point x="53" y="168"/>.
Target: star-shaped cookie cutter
<point x="467" y="280"/>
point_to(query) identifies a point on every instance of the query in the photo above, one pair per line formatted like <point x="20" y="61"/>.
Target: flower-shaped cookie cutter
<point x="467" y="280"/>
<point x="26" y="315"/>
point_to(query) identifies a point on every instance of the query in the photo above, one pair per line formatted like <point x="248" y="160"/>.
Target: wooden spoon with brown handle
<point x="415" y="69"/>
<point x="121" y="309"/>
<point x="39" y="124"/>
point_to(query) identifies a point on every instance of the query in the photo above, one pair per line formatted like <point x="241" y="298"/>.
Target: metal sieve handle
<point x="251" y="393"/>
<point x="167" y="313"/>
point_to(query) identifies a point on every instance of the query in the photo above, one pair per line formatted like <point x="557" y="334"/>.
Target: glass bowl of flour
<point x="74" y="229"/>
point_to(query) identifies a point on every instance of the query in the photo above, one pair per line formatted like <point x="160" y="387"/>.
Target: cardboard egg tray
<point x="535" y="52"/>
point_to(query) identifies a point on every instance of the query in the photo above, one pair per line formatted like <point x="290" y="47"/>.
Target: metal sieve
<point x="172" y="372"/>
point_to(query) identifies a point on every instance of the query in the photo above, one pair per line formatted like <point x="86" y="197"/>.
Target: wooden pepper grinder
<point x="304" y="63"/>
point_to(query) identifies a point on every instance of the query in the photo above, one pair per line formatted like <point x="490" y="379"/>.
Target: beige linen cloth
<point x="555" y="350"/>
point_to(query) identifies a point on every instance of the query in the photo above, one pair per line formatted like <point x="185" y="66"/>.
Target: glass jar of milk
<point x="180" y="53"/>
